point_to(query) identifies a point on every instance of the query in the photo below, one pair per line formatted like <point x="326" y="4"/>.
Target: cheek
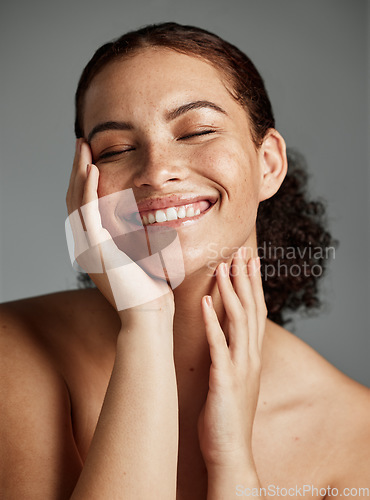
<point x="112" y="193"/>
<point x="109" y="182"/>
<point x="235" y="171"/>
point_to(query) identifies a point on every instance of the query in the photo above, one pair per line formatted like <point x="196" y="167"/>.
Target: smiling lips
<point x="176" y="212"/>
<point x="169" y="210"/>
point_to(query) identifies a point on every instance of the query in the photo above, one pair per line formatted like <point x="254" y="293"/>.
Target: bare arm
<point x="38" y="455"/>
<point x="134" y="449"/>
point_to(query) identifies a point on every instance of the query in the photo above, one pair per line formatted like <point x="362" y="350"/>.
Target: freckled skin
<point x="223" y="164"/>
<point x="298" y="387"/>
<point x="311" y="422"/>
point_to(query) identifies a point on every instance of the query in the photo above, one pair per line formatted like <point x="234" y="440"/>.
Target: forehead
<point x="153" y="79"/>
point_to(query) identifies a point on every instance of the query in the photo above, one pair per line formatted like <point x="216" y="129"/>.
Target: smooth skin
<point x="189" y="400"/>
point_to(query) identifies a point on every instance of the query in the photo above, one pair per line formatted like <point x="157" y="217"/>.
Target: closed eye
<point x="203" y="132"/>
<point x="109" y="154"/>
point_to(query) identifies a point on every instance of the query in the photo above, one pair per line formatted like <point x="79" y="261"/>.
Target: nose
<point x="159" y="167"/>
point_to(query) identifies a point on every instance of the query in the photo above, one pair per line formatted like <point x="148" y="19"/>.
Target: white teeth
<point x="190" y="212"/>
<point x="160" y="216"/>
<point x="171" y="213"/>
<point x="181" y="213"/>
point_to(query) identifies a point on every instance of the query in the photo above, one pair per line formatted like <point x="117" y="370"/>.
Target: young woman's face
<point x="178" y="132"/>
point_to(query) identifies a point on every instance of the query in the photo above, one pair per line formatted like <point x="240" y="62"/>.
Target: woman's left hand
<point x="226" y="420"/>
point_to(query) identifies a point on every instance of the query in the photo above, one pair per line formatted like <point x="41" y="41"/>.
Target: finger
<point x="77" y="156"/>
<point x="84" y="158"/>
<point x="75" y="228"/>
<point x="90" y="208"/>
<point x="218" y="347"/>
<point x="259" y="297"/>
<point x="236" y="315"/>
<point x="243" y="288"/>
<point x="102" y="244"/>
<point x="72" y="178"/>
<point x="78" y="175"/>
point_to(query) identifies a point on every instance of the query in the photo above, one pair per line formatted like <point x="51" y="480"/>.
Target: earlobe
<point x="273" y="164"/>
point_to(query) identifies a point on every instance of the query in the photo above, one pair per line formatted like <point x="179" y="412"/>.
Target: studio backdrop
<point x="314" y="58"/>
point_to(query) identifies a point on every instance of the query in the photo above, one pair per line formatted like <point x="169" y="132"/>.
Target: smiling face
<point x="177" y="132"/>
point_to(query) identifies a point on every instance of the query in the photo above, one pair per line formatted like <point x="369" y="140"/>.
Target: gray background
<point x="313" y="56"/>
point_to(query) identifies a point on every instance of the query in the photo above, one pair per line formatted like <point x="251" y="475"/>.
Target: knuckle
<point x="218" y="338"/>
<point x="218" y="334"/>
<point x="241" y="315"/>
<point x="255" y="363"/>
<point x="251" y="309"/>
<point x="241" y="321"/>
<point x="263" y="309"/>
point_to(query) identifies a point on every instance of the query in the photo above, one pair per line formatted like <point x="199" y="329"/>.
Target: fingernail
<point x="209" y="300"/>
<point x="223" y="269"/>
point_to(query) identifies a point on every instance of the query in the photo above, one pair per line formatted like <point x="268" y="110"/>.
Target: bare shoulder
<point x="60" y="319"/>
<point x="69" y="305"/>
<point x="69" y="332"/>
<point x="338" y="408"/>
<point x="48" y="345"/>
<point x="38" y="454"/>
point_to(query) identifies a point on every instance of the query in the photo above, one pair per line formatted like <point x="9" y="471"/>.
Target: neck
<point x="191" y="351"/>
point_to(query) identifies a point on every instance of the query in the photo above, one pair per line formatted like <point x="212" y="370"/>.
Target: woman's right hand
<point x="138" y="424"/>
<point x="121" y="280"/>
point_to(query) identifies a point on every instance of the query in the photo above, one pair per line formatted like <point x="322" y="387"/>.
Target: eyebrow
<point x="169" y="116"/>
<point x="175" y="113"/>
<point x="102" y="127"/>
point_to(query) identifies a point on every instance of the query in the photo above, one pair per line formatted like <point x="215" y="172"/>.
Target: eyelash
<point x="113" y="153"/>
<point x="203" y="132"/>
<point x="109" y="154"/>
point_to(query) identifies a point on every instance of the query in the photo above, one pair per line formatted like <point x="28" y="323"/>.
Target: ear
<point x="273" y="163"/>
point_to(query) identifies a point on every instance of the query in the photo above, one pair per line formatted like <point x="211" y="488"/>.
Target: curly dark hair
<point x="293" y="227"/>
<point x="290" y="226"/>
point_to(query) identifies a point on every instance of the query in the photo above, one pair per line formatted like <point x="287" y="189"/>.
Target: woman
<point x="138" y="389"/>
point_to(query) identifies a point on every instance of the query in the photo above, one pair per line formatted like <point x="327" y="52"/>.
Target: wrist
<point x="224" y="481"/>
<point x="242" y="470"/>
<point x="147" y="329"/>
<point x="150" y="315"/>
<point x="239" y="459"/>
